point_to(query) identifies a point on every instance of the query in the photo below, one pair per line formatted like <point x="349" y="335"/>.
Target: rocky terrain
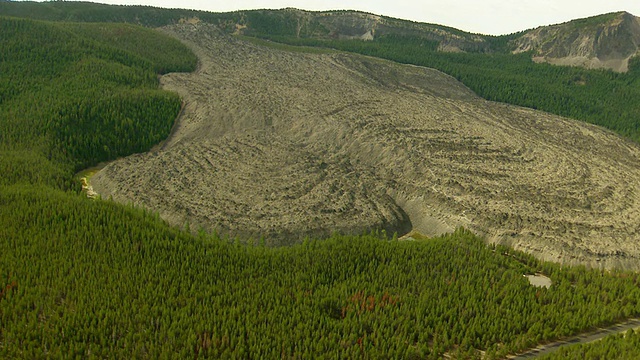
<point x="354" y="25"/>
<point x="606" y="41"/>
<point x="288" y="144"/>
<point x="601" y="42"/>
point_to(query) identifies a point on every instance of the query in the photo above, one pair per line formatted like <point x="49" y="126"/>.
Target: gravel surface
<point x="288" y="144"/>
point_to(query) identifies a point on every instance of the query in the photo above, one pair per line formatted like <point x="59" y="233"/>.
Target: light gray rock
<point x="291" y="144"/>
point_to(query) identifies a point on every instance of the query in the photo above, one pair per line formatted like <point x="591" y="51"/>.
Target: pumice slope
<point x="287" y="144"/>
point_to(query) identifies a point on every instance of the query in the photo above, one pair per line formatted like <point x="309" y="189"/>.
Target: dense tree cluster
<point x="72" y="95"/>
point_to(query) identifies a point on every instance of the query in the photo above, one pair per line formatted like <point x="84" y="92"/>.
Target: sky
<point x="493" y="17"/>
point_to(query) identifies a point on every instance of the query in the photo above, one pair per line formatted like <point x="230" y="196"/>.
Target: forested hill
<point x="73" y="95"/>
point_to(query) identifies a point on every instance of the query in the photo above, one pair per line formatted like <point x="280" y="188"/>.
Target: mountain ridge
<point x="559" y="44"/>
<point x="607" y="41"/>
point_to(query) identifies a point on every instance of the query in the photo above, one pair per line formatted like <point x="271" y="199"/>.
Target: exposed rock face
<point x="606" y="41"/>
<point x="290" y="144"/>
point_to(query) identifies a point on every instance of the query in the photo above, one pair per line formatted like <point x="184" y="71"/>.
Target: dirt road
<point x="579" y="339"/>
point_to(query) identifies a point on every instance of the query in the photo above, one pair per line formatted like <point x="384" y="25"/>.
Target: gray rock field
<point x="287" y="144"/>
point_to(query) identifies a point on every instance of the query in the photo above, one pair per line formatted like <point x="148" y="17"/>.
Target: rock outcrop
<point x="606" y="41"/>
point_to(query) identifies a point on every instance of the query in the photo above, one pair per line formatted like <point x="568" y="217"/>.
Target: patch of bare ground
<point x="290" y="144"/>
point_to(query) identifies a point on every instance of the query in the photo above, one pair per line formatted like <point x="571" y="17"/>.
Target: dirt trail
<point x="579" y="339"/>
<point x="288" y="145"/>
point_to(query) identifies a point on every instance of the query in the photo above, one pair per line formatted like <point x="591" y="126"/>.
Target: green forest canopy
<point x="73" y="95"/>
<point x="82" y="278"/>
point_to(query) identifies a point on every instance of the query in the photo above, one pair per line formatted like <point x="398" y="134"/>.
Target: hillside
<point x="485" y="64"/>
<point x="81" y="278"/>
<point x="287" y="144"/>
<point x="284" y="22"/>
<point x="606" y="41"/>
<point x="72" y="95"/>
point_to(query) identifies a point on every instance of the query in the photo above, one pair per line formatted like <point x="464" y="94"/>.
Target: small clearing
<point x="539" y="280"/>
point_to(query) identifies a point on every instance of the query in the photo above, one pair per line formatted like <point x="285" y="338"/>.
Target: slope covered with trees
<point x="87" y="278"/>
<point x="72" y="95"/>
<point x="78" y="11"/>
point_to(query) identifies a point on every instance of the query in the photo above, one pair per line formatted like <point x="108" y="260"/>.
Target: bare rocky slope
<point x="290" y="144"/>
<point x="601" y="42"/>
<point x="606" y="41"/>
